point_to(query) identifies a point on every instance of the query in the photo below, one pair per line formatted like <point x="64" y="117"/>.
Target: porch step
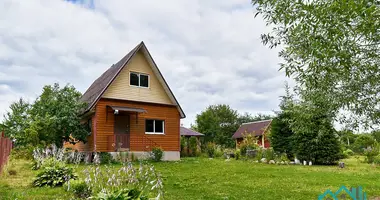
<point x="124" y="149"/>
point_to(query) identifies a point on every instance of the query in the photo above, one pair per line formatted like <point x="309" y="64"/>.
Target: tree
<point x="347" y="137"/>
<point x="329" y="46"/>
<point x="56" y="115"/>
<point x="315" y="138"/>
<point x="281" y="134"/>
<point x="247" y="117"/>
<point x="362" y="142"/>
<point x="16" y="121"/>
<point x="218" y="123"/>
<point x="376" y="134"/>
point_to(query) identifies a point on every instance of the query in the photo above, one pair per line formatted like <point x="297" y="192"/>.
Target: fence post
<point x="1" y="153"/>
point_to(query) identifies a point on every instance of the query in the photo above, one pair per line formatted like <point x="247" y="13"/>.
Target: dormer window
<point x="139" y="79"/>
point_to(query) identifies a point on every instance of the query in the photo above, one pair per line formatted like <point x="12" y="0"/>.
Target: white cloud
<point x="209" y="51"/>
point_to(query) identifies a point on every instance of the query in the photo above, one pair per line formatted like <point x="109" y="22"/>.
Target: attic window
<point x="138" y="79"/>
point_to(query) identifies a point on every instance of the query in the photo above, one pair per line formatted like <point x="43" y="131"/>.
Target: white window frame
<point x="154" y="127"/>
<point x="138" y="74"/>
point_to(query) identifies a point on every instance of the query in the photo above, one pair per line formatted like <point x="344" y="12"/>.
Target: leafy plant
<point x="193" y="146"/>
<point x="249" y="143"/>
<point x="237" y="154"/>
<point x="54" y="176"/>
<point x="79" y="188"/>
<point x="105" y="158"/>
<point x="157" y="154"/>
<point x="184" y="148"/>
<point x="371" y="153"/>
<point x="22" y="152"/>
<point x="211" y="147"/>
<point x="109" y="181"/>
<point x="269" y="154"/>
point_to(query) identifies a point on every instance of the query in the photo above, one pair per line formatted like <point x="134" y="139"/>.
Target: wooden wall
<point x="170" y="141"/>
<point x="89" y="145"/>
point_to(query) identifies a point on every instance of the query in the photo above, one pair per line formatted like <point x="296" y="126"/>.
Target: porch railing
<point x="133" y="143"/>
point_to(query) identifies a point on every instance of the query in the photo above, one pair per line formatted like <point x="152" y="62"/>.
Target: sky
<point x="209" y="51"/>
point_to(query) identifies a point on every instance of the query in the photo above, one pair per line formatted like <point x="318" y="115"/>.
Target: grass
<point x="203" y="178"/>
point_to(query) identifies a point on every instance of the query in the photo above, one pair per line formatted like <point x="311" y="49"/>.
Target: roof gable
<point x="258" y="128"/>
<point x="100" y="85"/>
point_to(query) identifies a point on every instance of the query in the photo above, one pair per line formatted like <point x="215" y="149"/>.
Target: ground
<point x="203" y="178"/>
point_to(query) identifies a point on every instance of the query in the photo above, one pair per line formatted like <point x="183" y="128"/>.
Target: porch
<point x="126" y="136"/>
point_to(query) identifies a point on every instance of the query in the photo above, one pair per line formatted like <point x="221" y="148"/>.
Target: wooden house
<point x="131" y="108"/>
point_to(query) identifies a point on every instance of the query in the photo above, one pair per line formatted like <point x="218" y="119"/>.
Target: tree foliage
<point x="219" y="122"/>
<point x="16" y="122"/>
<point x="281" y="134"/>
<point x="362" y="142"/>
<point x="52" y="119"/>
<point x="329" y="46"/>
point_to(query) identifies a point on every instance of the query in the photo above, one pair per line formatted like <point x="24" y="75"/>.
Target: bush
<point x="133" y="194"/>
<point x="211" y="147"/>
<point x="259" y="154"/>
<point x="269" y="154"/>
<point x="376" y="160"/>
<point x="79" y="188"/>
<point x="184" y="147"/>
<point x="249" y="143"/>
<point x="237" y="154"/>
<point x="229" y="153"/>
<point x="157" y="154"/>
<point x="54" y="176"/>
<point x="105" y="158"/>
<point x="193" y="146"/>
<point x="371" y="153"/>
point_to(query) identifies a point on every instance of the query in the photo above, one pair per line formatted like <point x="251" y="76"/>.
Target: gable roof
<point x="258" y="128"/>
<point x="100" y="85"/>
<point x="189" y="132"/>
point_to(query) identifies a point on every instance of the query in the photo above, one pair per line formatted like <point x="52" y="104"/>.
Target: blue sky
<point x="208" y="51"/>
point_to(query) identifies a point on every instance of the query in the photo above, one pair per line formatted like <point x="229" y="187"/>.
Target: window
<point x="154" y="126"/>
<point x="140" y="80"/>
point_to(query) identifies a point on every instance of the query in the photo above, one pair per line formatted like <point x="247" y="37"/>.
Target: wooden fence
<point x="5" y="150"/>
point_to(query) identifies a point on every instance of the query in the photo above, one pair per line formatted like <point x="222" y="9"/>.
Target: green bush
<point x="237" y="154"/>
<point x="157" y="154"/>
<point x="54" y="176"/>
<point x="259" y="154"/>
<point x="249" y="143"/>
<point x="193" y="146"/>
<point x="184" y="147"/>
<point x="371" y="153"/>
<point x="376" y="160"/>
<point x="105" y="158"/>
<point x="79" y="188"/>
<point x="269" y="154"/>
<point x="121" y="194"/>
<point x="211" y="147"/>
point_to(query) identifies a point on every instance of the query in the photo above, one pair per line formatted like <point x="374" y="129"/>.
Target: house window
<point x="138" y="79"/>
<point x="154" y="126"/>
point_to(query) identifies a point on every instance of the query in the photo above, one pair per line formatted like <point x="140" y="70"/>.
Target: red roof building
<point x="260" y="129"/>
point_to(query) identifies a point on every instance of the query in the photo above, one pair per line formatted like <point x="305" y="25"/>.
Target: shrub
<point x="54" y="176"/>
<point x="269" y="154"/>
<point x="133" y="194"/>
<point x="237" y="154"/>
<point x="156" y="154"/>
<point x="211" y="147"/>
<point x="105" y="158"/>
<point x="79" y="188"/>
<point x="249" y="143"/>
<point x="371" y="153"/>
<point x="363" y="142"/>
<point x="259" y="154"/>
<point x="376" y="160"/>
<point x="229" y="153"/>
<point x="184" y="147"/>
<point x="193" y="146"/>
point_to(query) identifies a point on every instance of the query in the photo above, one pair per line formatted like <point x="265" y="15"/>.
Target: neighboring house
<point x="131" y="108"/>
<point x="260" y="129"/>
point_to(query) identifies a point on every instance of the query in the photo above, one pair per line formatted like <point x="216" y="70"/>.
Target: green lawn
<point x="203" y="178"/>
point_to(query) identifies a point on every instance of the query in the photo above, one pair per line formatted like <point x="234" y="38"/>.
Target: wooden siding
<point x="105" y="125"/>
<point x="120" y="88"/>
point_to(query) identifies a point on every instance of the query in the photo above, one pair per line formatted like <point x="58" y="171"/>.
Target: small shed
<point x="260" y="129"/>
